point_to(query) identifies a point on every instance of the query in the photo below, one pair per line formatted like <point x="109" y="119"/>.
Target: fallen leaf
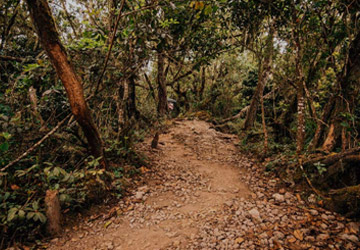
<point x="130" y="208"/>
<point x="239" y="240"/>
<point x="144" y="170"/>
<point x="108" y="223"/>
<point x="298" y="235"/>
<point x="298" y="197"/>
<point x="292" y="240"/>
<point x="14" y="187"/>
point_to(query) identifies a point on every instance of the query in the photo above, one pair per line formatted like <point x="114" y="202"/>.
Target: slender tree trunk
<point x="251" y="114"/>
<point x="300" y="132"/>
<point x="131" y="101"/>
<point x="49" y="38"/>
<point x="203" y="82"/>
<point x="264" y="124"/>
<point x="122" y="97"/>
<point x="162" y="95"/>
<point x="162" y="98"/>
<point x="69" y="18"/>
<point x="264" y="73"/>
<point x="111" y="20"/>
<point x="320" y="124"/>
<point x="6" y="31"/>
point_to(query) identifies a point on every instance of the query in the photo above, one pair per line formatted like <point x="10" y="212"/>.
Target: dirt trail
<point x="197" y="196"/>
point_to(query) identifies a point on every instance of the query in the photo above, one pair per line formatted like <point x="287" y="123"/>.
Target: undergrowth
<point x="78" y="179"/>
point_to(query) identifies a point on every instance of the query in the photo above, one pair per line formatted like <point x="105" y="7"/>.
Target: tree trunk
<point x="53" y="212"/>
<point x="264" y="73"/>
<point x="264" y="124"/>
<point x="203" y="82"/>
<point x="162" y="99"/>
<point x="122" y="97"/>
<point x="300" y="132"/>
<point x="320" y="124"/>
<point x="300" y="88"/>
<point x="346" y="100"/>
<point x="131" y="101"/>
<point x="49" y="38"/>
<point x="162" y="95"/>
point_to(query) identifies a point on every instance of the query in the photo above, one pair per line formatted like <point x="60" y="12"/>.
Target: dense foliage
<point x="283" y="74"/>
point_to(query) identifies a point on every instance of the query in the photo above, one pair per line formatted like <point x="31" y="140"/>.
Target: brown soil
<point x="196" y="195"/>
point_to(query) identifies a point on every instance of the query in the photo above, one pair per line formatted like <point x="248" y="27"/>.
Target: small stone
<point x="254" y="213"/>
<point x="278" y="235"/>
<point x="144" y="189"/>
<point x="139" y="195"/>
<point x="309" y="238"/>
<point x="282" y="191"/>
<point x="312" y="198"/>
<point x="172" y="235"/>
<point x="314" y="212"/>
<point x="263" y="235"/>
<point x="55" y="240"/>
<point x="278" y="197"/>
<point x="228" y="203"/>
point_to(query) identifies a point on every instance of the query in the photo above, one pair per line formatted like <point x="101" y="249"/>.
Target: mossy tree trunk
<point x="46" y="29"/>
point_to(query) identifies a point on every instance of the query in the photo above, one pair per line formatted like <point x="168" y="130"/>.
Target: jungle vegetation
<point x="83" y="81"/>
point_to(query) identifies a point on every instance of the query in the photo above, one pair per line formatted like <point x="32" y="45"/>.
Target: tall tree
<point x="46" y="29"/>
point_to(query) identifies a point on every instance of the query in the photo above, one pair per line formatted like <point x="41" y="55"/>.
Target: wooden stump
<point x="53" y="212"/>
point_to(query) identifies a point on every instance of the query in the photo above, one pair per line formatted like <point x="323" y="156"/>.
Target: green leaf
<point x="12" y="213"/>
<point x="6" y="135"/>
<point x="42" y="217"/>
<point x="21" y="214"/>
<point x="4" y="147"/>
<point x="30" y="215"/>
<point x="35" y="205"/>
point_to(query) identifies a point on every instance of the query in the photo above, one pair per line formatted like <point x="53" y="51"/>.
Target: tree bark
<point x="162" y="98"/>
<point x="203" y="83"/>
<point x="300" y="87"/>
<point x="49" y="38"/>
<point x="53" y="212"/>
<point x="131" y="101"/>
<point x="264" y="73"/>
<point x="264" y="124"/>
<point x="300" y="132"/>
<point x="346" y="100"/>
<point x="162" y="95"/>
<point x="332" y="158"/>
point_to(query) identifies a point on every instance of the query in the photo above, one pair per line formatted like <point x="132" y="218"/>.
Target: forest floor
<point x="202" y="193"/>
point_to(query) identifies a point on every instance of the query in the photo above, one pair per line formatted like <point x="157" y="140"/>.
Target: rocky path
<point x="201" y="193"/>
